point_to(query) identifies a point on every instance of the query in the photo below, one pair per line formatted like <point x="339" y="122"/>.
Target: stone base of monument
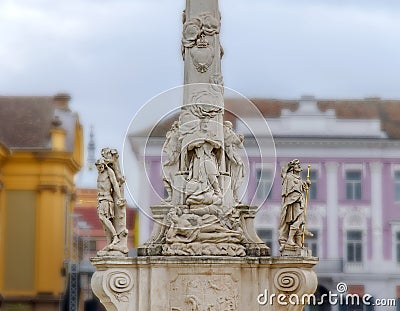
<point x="180" y="283"/>
<point x="296" y="251"/>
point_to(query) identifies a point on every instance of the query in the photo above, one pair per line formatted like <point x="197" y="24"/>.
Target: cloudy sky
<point x="112" y="56"/>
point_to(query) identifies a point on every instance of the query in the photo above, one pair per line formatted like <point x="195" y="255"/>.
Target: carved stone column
<point x="201" y="49"/>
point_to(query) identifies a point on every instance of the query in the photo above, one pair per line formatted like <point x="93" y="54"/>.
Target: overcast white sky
<point x="114" y="55"/>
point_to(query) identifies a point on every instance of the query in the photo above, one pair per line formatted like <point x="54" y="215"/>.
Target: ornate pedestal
<point x="250" y="245"/>
<point x="176" y="283"/>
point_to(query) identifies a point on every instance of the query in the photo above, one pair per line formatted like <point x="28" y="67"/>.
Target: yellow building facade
<point x="41" y="150"/>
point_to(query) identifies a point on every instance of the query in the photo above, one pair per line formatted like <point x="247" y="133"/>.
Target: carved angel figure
<point x="172" y="148"/>
<point x="234" y="163"/>
<point x="293" y="204"/>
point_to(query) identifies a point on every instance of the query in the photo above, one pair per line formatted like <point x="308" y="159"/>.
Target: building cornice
<point x="4" y="153"/>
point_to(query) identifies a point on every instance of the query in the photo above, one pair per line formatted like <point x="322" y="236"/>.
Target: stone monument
<point x="203" y="253"/>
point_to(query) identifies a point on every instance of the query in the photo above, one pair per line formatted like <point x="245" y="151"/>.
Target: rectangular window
<point x="266" y="235"/>
<point x="92" y="246"/>
<point x="312" y="192"/>
<point x="354" y="246"/>
<point x="264" y="182"/>
<point x="398" y="247"/>
<point x="353" y="185"/>
<point x="19" y="247"/>
<point x="397" y="186"/>
<point x="312" y="243"/>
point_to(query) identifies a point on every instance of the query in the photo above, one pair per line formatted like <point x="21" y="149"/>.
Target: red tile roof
<point x="388" y="111"/>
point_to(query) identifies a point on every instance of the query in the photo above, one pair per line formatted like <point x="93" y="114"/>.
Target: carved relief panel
<point x="204" y="293"/>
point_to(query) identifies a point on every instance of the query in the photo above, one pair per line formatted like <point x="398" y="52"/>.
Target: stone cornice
<point x="48" y="187"/>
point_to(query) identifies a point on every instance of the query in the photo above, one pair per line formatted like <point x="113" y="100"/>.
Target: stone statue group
<point x="201" y="219"/>
<point x="202" y="173"/>
<point x="202" y="161"/>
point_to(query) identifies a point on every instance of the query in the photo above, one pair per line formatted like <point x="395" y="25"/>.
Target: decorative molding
<point x="394" y="167"/>
<point x="331" y="166"/>
<point x="376" y="167"/>
<point x="288" y="280"/>
<point x="202" y="55"/>
<point x="47" y="187"/>
<point x="120" y="283"/>
<point x="204" y="292"/>
<point x="364" y="210"/>
<point x="204" y="284"/>
<point x="64" y="189"/>
<point x="195" y="36"/>
<point x="353" y="167"/>
<point x="293" y="282"/>
<point x="114" y="288"/>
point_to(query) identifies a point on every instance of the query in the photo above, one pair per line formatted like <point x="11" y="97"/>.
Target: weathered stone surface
<point x="292" y="226"/>
<point x="232" y="234"/>
<point x="111" y="207"/>
<point x="201" y="283"/>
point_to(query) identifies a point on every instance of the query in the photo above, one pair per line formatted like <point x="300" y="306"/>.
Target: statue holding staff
<point x="294" y="192"/>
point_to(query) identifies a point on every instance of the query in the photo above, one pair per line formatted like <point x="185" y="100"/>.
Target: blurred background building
<point x="353" y="147"/>
<point x="40" y="152"/>
<point x="48" y="213"/>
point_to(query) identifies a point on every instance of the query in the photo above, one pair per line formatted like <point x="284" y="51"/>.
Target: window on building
<point x="266" y="235"/>
<point x="264" y="182"/>
<point x="354" y="246"/>
<point x="398" y="247"/>
<point x="86" y="246"/>
<point x="312" y="193"/>
<point x="92" y="245"/>
<point x="397" y="186"/>
<point x="312" y="242"/>
<point x="353" y="185"/>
